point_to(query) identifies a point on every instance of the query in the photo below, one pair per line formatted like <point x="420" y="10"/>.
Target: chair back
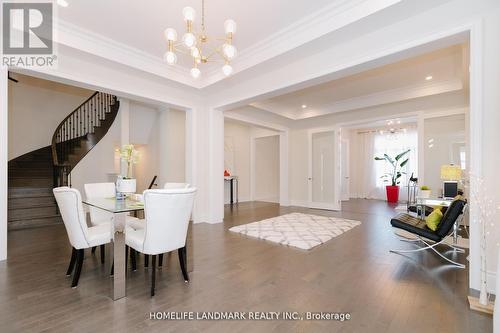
<point x="171" y="186"/>
<point x="97" y="191"/>
<point x="452" y="214"/>
<point x="167" y="215"/>
<point x="70" y="205"/>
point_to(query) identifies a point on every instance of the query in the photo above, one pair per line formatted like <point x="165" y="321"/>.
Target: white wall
<point x="37" y="107"/>
<point x="145" y="131"/>
<point x="489" y="99"/>
<point x="237" y="157"/>
<point x="267" y="168"/>
<point x="441" y="136"/>
<point x="172" y="147"/>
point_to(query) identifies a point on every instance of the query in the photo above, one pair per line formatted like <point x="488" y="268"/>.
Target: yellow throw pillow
<point x="432" y="221"/>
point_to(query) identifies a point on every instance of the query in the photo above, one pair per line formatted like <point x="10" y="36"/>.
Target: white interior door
<point x="344" y="170"/>
<point x="323" y="170"/>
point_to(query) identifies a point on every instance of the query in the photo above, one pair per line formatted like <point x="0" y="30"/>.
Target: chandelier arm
<point x="203" y="15"/>
<point x="180" y="50"/>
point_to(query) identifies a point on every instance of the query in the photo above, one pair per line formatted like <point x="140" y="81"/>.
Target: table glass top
<point x="115" y="206"/>
<point x="434" y="202"/>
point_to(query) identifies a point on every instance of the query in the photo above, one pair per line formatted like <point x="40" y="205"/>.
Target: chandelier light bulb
<point x="229" y="51"/>
<point x="189" y="40"/>
<point x="189" y="14"/>
<point x="195" y="72"/>
<point x="195" y="52"/>
<point x="170" y="35"/>
<point x="170" y="57"/>
<point x="227" y="69"/>
<point x="230" y="26"/>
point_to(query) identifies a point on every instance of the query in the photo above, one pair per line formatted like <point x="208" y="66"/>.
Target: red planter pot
<point x="392" y="193"/>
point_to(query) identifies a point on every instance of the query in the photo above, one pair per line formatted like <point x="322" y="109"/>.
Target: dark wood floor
<point x="354" y="273"/>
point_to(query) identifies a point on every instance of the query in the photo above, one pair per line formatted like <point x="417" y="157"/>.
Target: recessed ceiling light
<point x="62" y="3"/>
<point x="428" y="78"/>
<point x="304" y="106"/>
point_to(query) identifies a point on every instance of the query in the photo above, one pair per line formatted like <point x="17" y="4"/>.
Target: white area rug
<point x="303" y="231"/>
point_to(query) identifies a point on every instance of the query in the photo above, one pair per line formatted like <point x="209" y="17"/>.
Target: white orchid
<point x="130" y="155"/>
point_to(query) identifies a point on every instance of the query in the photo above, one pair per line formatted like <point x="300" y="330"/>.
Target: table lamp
<point x="450" y="174"/>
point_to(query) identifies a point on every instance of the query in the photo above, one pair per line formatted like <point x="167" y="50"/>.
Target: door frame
<point x="347" y="156"/>
<point x="283" y="133"/>
<point x="336" y="205"/>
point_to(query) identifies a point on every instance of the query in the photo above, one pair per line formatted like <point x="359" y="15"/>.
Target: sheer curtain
<point x="369" y="183"/>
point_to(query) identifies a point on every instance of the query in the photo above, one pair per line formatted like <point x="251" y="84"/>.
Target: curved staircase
<point x="33" y="175"/>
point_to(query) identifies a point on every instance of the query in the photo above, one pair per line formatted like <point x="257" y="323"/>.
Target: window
<point x="393" y="144"/>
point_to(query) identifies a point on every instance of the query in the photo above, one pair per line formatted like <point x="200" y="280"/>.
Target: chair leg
<point x="430" y="247"/>
<point x="153" y="277"/>
<point x="71" y="262"/>
<point x="78" y="269"/>
<point x="182" y="261"/>
<point x="146" y="261"/>
<point x="102" y="250"/>
<point x="160" y="260"/>
<point x="133" y="261"/>
<point x="93" y="249"/>
<point x="126" y="257"/>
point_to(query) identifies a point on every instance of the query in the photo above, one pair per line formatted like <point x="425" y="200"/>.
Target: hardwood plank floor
<point x="354" y="273"/>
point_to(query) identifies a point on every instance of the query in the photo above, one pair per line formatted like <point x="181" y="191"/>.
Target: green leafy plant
<point x="397" y="163"/>
<point x="424" y="188"/>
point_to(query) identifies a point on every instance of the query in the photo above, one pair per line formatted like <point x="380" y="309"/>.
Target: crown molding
<point x="330" y="18"/>
<point x="370" y="100"/>
<point x="92" y="43"/>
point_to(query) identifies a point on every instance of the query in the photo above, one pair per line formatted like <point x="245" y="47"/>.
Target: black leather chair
<point x="419" y="228"/>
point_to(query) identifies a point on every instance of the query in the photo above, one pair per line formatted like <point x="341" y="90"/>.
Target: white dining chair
<point x="172" y="186"/>
<point x="167" y="214"/>
<point x="167" y="186"/>
<point x="80" y="236"/>
<point x="100" y="216"/>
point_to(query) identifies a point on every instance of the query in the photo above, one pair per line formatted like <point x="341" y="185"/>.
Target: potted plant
<point x="425" y="192"/>
<point x="397" y="163"/>
<point x="127" y="184"/>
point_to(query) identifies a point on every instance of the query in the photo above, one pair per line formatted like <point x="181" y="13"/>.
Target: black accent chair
<point x="418" y="227"/>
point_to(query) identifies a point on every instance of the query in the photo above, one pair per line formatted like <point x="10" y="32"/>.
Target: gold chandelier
<point x="196" y="44"/>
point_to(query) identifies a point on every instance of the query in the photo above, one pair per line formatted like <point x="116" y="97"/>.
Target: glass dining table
<point x="120" y="208"/>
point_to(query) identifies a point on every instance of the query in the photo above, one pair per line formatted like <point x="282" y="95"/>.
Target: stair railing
<point x="79" y="123"/>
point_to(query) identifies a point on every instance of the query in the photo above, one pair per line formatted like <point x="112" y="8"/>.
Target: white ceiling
<point x="387" y="84"/>
<point x="137" y="27"/>
<point x="140" y="24"/>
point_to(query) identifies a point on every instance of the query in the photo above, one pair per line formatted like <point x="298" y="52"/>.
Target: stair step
<point x="31" y="182"/>
<point x="29" y="192"/>
<point x="34" y="223"/>
<point x="32" y="213"/>
<point x="31" y="202"/>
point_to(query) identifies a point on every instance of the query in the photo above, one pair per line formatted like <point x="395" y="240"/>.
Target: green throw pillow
<point x="432" y="221"/>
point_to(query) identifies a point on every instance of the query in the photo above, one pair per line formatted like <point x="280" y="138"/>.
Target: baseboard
<point x="244" y="199"/>
<point x="299" y="203"/>
<point x="268" y="199"/>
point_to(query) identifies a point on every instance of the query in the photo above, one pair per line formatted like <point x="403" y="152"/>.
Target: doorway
<point x="323" y="170"/>
<point x="266" y="180"/>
